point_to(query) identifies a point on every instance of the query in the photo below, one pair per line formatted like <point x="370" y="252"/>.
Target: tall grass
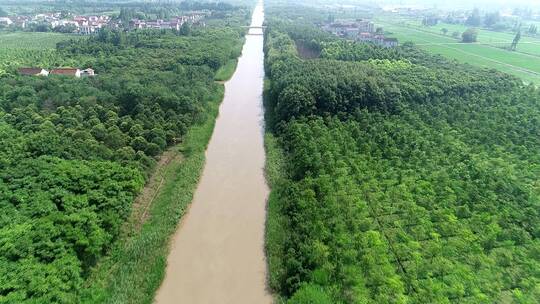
<point x="226" y="71"/>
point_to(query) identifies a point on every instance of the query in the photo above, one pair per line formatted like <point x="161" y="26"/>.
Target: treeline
<point x="76" y="151"/>
<point x="168" y="10"/>
<point x="159" y="8"/>
<point x="404" y="178"/>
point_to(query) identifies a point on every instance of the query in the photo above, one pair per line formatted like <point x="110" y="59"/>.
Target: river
<point x="217" y="254"/>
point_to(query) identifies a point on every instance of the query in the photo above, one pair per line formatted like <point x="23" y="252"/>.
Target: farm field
<point x="527" y="44"/>
<point x="31" y="49"/>
<point x="521" y="64"/>
<point x="32" y="40"/>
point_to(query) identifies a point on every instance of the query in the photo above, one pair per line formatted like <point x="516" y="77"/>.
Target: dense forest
<point x="75" y="152"/>
<point x="397" y="176"/>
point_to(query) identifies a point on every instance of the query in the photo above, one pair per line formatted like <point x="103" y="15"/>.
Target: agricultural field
<point x="489" y="52"/>
<point x="31" y="49"/>
<point x="527" y="45"/>
<point x="32" y="40"/>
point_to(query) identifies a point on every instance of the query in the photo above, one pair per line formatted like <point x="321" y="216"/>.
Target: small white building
<point x="88" y="73"/>
<point x="5" y="21"/>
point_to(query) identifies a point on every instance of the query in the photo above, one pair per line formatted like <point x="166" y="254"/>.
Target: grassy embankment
<point x="226" y="72"/>
<point x="136" y="266"/>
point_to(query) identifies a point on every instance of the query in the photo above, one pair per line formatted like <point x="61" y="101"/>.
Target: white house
<point x="88" y="73"/>
<point x="5" y="21"/>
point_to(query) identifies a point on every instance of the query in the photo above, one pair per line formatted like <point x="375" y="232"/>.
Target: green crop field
<point x="32" y="40"/>
<point x="489" y="52"/>
<point x="527" y="44"/>
<point x="31" y="49"/>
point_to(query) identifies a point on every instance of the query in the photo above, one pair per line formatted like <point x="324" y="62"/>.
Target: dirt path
<point x="151" y="190"/>
<point x="141" y="207"/>
<point x="217" y="254"/>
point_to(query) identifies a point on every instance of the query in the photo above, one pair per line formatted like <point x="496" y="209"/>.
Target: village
<point x="360" y="30"/>
<point x="174" y="23"/>
<point x="87" y="25"/>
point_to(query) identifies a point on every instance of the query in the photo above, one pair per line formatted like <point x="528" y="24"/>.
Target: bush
<point x="310" y="294"/>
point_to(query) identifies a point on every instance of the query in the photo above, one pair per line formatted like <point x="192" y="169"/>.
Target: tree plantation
<point x="76" y="151"/>
<point x="397" y="176"/>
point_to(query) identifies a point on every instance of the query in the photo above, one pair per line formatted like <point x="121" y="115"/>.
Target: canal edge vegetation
<point x="275" y="232"/>
<point x="135" y="268"/>
<point x="277" y="225"/>
<point x="275" y="221"/>
<point x="227" y="71"/>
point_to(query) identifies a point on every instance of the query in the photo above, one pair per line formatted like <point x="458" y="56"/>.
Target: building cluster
<point x="360" y="30"/>
<point x="174" y="23"/>
<point x="73" y="72"/>
<point x="378" y="39"/>
<point x="350" y="29"/>
<point x="407" y="10"/>
<point x="20" y="21"/>
<point x="86" y="25"/>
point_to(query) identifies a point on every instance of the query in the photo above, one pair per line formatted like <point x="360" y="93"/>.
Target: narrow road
<point x="217" y="254"/>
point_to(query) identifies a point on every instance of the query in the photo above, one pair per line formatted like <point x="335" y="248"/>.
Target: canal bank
<point x="217" y="254"/>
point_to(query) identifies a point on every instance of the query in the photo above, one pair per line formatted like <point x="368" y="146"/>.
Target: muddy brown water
<point x="217" y="254"/>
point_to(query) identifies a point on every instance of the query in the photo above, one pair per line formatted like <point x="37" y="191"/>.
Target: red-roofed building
<point x="67" y="72"/>
<point x="33" y="72"/>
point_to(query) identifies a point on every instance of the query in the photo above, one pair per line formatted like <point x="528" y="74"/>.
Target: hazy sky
<point x="468" y="4"/>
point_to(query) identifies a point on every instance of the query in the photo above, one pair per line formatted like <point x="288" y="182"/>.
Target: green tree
<point x="474" y="19"/>
<point x="310" y="294"/>
<point x="295" y="100"/>
<point x="470" y="35"/>
<point x="185" y="29"/>
<point x="515" y="42"/>
<point x="491" y="19"/>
